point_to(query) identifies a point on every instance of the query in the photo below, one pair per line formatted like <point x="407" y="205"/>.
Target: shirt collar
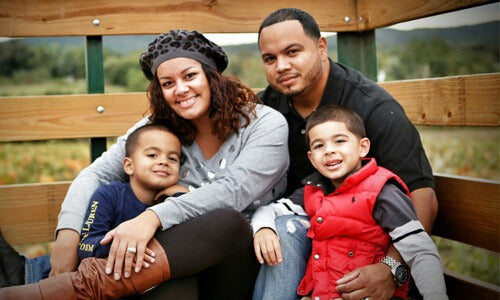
<point x="318" y="180"/>
<point x="334" y="89"/>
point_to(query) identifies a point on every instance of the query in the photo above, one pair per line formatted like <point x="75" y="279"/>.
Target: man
<point x="302" y="78"/>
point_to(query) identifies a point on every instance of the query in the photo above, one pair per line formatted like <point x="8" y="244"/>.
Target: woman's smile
<point x="185" y="88"/>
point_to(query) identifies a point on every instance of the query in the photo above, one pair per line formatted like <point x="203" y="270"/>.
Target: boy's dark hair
<point x="133" y="138"/>
<point x="308" y="23"/>
<point x="351" y="119"/>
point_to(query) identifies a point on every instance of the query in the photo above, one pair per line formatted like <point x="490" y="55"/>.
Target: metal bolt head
<point x="347" y="19"/>
<point x="96" y="22"/>
<point x="100" y="109"/>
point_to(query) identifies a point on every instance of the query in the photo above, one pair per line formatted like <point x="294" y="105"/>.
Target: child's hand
<point x="171" y="190"/>
<point x="267" y="246"/>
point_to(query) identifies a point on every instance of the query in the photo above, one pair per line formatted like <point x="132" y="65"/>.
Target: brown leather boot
<point x="55" y="287"/>
<point x="90" y="281"/>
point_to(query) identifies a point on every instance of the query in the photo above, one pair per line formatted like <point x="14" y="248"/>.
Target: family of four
<point x="318" y="186"/>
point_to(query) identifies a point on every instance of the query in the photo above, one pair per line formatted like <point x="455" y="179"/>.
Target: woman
<point x="236" y="158"/>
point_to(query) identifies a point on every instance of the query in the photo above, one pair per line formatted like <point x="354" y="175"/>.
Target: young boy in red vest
<point x="356" y="209"/>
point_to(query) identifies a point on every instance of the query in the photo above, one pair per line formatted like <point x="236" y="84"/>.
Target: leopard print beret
<point x="181" y="43"/>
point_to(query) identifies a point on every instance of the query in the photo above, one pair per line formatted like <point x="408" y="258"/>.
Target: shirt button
<point x="351" y="253"/>
<point x="303" y="131"/>
<point x="319" y="219"/>
<point x="316" y="298"/>
<point x="316" y="256"/>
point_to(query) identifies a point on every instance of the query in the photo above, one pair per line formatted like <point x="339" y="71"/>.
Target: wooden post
<point x="358" y="50"/>
<point x="95" y="84"/>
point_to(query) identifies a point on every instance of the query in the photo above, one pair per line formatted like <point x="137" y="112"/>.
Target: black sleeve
<point x="297" y="197"/>
<point x="393" y="208"/>
<point x="396" y="145"/>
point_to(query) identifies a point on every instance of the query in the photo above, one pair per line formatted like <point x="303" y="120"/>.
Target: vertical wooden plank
<point x="358" y="50"/>
<point x="95" y="84"/>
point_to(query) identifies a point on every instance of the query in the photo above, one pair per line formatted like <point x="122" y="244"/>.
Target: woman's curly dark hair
<point x="230" y="100"/>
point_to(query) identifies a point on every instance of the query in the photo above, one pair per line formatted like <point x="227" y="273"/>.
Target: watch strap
<point x="394" y="265"/>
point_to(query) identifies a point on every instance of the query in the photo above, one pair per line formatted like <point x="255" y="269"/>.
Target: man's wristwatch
<point x="398" y="270"/>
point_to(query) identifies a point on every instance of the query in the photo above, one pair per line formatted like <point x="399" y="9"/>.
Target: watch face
<point x="401" y="275"/>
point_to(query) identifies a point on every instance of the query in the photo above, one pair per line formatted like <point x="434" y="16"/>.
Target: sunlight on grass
<point x="464" y="151"/>
<point x="51" y="87"/>
<point x="43" y="161"/>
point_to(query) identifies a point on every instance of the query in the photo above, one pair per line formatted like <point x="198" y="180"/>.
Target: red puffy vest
<point x="344" y="234"/>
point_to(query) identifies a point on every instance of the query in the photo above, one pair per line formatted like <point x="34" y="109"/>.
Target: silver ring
<point x="132" y="250"/>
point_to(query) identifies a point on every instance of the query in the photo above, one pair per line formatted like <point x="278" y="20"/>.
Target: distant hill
<point x="485" y="34"/>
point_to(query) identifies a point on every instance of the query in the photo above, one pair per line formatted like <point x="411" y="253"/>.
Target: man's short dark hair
<point x="327" y="113"/>
<point x="308" y="23"/>
<point x="133" y="138"/>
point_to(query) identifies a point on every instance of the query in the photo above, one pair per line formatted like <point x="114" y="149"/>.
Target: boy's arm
<point x="413" y="243"/>
<point x="105" y="169"/>
<point x="266" y="241"/>
<point x="264" y="216"/>
<point x="97" y="222"/>
<point x="392" y="209"/>
<point x="421" y="255"/>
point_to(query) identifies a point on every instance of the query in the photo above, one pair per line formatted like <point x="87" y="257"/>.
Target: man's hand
<point x="267" y="247"/>
<point x="374" y="281"/>
<point x="64" y="256"/>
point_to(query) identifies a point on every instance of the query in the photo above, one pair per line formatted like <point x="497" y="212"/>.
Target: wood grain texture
<point x="472" y="100"/>
<point x="126" y="17"/>
<point x="460" y="287"/>
<point x="71" y="116"/>
<point x="28" y="212"/>
<point x="469" y="211"/>
<point x="24" y="18"/>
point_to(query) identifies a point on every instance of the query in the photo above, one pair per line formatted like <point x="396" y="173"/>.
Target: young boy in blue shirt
<point x="152" y="162"/>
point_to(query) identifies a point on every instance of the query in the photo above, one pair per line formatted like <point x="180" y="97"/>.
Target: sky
<point x="470" y="16"/>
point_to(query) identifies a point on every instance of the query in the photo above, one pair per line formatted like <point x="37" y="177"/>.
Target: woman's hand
<point x="267" y="246"/>
<point x="135" y="233"/>
<point x="64" y="256"/>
